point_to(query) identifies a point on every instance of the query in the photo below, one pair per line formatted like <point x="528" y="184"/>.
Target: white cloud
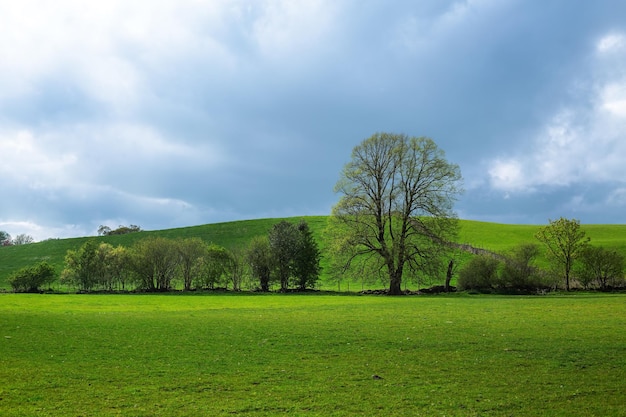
<point x="578" y="144"/>
<point x="611" y="43"/>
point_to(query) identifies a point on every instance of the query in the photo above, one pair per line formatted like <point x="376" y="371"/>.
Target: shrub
<point x="480" y="273"/>
<point x="519" y="271"/>
<point x="31" y="278"/>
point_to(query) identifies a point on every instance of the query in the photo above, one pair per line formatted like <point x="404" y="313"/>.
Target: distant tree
<point x="307" y="258"/>
<point x="519" y="271"/>
<point x="398" y="193"/>
<point x="104" y="230"/>
<point x="5" y="238"/>
<point x="284" y="239"/>
<point x="213" y="268"/>
<point x="259" y="258"/>
<point x="154" y="262"/>
<point x="565" y="241"/>
<point x="23" y="239"/>
<point x="480" y="273"/>
<point x="121" y="230"/>
<point x="237" y="268"/>
<point x="192" y="253"/>
<point x="119" y="264"/>
<point x="32" y="278"/>
<point x="605" y="267"/>
<point x="82" y="266"/>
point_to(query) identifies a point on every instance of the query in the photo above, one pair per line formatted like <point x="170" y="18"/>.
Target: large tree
<point x="565" y="241"/>
<point x="397" y="199"/>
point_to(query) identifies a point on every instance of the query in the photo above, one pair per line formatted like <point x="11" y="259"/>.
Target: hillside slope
<point x="491" y="236"/>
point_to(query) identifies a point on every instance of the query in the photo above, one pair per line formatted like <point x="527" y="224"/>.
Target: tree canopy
<point x="397" y="204"/>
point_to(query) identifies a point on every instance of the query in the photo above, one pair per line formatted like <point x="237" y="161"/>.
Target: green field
<point x="265" y="355"/>
<point x="491" y="236"/>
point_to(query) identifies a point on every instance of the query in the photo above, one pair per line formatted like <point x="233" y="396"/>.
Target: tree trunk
<point x="395" y="282"/>
<point x="449" y="275"/>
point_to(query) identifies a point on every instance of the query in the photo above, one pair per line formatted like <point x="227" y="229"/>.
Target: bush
<point x="31" y="278"/>
<point x="519" y="271"/>
<point x="480" y="273"/>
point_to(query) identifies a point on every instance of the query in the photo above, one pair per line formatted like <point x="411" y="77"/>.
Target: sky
<point x="172" y="113"/>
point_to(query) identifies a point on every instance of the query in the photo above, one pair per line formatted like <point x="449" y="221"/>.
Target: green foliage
<point x="519" y="270"/>
<point x="213" y="268"/>
<point x="283" y="239"/>
<point x="602" y="267"/>
<point x="564" y="240"/>
<point x="259" y="257"/>
<point x="396" y="203"/>
<point x="480" y="273"/>
<point x="31" y="279"/>
<point x="82" y="266"/>
<point x="192" y="254"/>
<point x="307" y="258"/>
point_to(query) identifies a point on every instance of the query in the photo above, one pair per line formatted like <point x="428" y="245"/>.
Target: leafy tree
<point x="565" y="241"/>
<point x="154" y="261"/>
<point x="259" y="258"/>
<point x="119" y="264"/>
<point x="480" y="273"/>
<point x="23" y="239"/>
<point x="121" y="230"/>
<point x="32" y="278"/>
<point x="519" y="271"/>
<point x="213" y="267"/>
<point x="237" y="268"/>
<point x="5" y="238"/>
<point x="605" y="267"/>
<point x="81" y="266"/>
<point x="398" y="193"/>
<point x="192" y="253"/>
<point x="284" y="239"/>
<point x="307" y="258"/>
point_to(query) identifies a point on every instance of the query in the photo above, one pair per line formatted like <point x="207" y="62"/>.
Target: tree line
<point x="287" y="257"/>
<point x="572" y="260"/>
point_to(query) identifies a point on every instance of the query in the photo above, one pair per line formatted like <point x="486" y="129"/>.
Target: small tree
<point x="23" y="239"/>
<point x="307" y="258"/>
<point x="154" y="262"/>
<point x="5" y="238"/>
<point x="284" y="239"/>
<point x="213" y="267"/>
<point x="32" y="278"/>
<point x="605" y="267"/>
<point x="81" y="267"/>
<point x="565" y="241"/>
<point x="259" y="258"/>
<point x="192" y="252"/>
<point x="480" y="273"/>
<point x="519" y="271"/>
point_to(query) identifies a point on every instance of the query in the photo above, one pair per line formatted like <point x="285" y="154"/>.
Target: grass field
<point x="265" y="355"/>
<point x="492" y="236"/>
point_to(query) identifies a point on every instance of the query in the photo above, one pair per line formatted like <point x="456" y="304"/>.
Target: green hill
<point x="491" y="236"/>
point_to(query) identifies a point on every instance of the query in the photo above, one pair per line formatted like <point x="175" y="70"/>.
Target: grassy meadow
<point x="266" y="355"/>
<point x="491" y="236"/>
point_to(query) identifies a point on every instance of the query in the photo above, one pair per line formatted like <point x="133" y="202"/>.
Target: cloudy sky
<point x="168" y="113"/>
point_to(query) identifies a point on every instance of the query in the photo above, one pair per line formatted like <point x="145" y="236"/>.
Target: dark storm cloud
<point x="185" y="113"/>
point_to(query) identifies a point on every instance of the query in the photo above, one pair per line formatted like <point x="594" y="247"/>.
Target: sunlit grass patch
<point x="314" y="355"/>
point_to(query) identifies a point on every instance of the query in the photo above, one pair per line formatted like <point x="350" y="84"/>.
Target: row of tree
<point x="394" y="221"/>
<point x="287" y="256"/>
<point x="21" y="239"/>
<point x="570" y="256"/>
